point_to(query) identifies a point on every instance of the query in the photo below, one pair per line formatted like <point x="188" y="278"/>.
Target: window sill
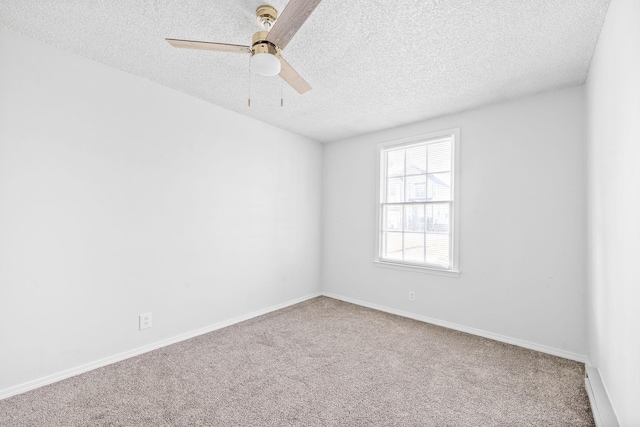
<point x="417" y="269"/>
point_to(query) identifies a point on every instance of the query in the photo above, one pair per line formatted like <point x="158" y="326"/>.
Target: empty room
<point x="320" y="213"/>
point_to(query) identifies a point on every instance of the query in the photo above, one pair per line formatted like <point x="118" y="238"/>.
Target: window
<point x="417" y="203"/>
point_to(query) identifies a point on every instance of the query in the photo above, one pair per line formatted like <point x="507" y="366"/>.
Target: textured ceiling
<point x="372" y="64"/>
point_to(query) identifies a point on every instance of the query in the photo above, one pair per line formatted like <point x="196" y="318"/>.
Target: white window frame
<point x="454" y="269"/>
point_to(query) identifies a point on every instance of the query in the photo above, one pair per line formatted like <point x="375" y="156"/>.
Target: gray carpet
<point x="319" y="363"/>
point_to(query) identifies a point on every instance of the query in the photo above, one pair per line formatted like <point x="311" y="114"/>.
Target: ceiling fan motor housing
<point x="259" y="44"/>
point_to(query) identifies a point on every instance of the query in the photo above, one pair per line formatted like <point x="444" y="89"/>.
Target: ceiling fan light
<point x="265" y="64"/>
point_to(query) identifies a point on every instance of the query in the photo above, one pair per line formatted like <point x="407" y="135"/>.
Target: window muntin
<point x="416" y="202"/>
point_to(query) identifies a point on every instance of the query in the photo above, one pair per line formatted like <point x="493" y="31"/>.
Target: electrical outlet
<point x="145" y="321"/>
<point x="412" y="296"/>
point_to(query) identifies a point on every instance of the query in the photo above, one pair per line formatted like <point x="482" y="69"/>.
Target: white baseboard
<point x="21" y="388"/>
<point x="603" y="412"/>
<point x="30" y="385"/>
<point x="497" y="337"/>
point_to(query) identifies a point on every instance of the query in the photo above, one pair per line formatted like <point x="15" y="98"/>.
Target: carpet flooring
<point x="322" y="362"/>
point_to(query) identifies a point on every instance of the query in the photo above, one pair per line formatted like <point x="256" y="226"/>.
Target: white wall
<point x="613" y="95"/>
<point x="523" y="224"/>
<point x="120" y="197"/>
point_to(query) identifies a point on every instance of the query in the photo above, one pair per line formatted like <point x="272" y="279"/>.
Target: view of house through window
<point x="416" y="203"/>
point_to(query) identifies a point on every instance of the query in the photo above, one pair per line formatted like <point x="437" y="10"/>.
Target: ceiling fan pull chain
<point x="249" y="98"/>
<point x="281" y="94"/>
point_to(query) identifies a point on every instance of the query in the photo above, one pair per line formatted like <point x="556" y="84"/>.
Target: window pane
<point x="395" y="190"/>
<point x="439" y="187"/>
<point x="417" y="160"/>
<point x="416" y="188"/>
<point x="438" y="218"/>
<point x="393" y="246"/>
<point x="437" y="249"/>
<point x="439" y="157"/>
<point x="416" y="202"/>
<point x="395" y="163"/>
<point x="414" y="218"/>
<point x="392" y="218"/>
<point x="414" y="247"/>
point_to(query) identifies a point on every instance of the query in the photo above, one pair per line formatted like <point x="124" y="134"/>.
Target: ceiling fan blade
<point x="218" y="47"/>
<point x="291" y="19"/>
<point x="292" y="77"/>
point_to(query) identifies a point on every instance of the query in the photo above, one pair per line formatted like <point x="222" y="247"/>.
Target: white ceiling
<point x="372" y="64"/>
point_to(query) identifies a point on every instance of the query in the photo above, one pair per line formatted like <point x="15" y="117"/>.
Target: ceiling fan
<point x="266" y="46"/>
